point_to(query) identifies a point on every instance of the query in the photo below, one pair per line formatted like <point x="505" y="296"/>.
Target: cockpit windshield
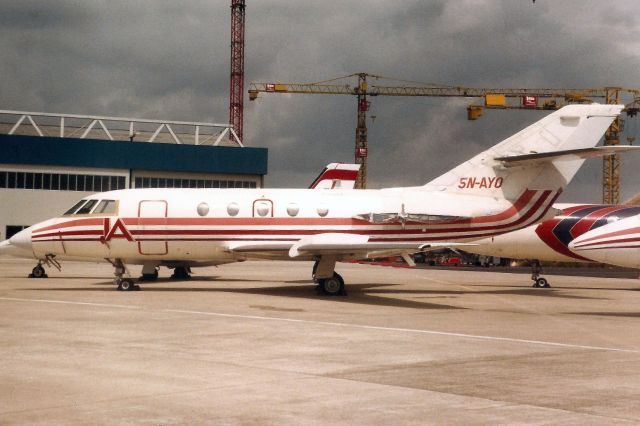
<point x="93" y="207"/>
<point x="106" y="207"/>
<point x="76" y="206"/>
<point x="86" y="208"/>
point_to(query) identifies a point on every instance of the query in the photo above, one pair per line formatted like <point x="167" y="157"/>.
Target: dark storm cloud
<point x="164" y="59"/>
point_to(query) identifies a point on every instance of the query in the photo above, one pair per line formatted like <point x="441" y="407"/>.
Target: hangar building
<point x="49" y="161"/>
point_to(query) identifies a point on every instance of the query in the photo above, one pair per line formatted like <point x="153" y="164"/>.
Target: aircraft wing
<point x="340" y="245"/>
<point x="260" y="246"/>
<point x="389" y="218"/>
<point x="358" y="246"/>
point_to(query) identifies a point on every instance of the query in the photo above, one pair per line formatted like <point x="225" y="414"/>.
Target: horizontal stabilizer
<point x="565" y="155"/>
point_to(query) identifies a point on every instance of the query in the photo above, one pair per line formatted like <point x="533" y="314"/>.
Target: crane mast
<point x="236" y="87"/>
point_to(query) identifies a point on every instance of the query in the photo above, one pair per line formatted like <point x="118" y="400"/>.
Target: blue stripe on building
<point x="72" y="152"/>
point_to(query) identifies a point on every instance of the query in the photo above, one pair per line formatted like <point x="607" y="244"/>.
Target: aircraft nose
<point x="6" y="248"/>
<point x="22" y="239"/>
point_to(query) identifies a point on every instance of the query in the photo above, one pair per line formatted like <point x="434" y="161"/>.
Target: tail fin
<point x="491" y="174"/>
<point x="337" y="176"/>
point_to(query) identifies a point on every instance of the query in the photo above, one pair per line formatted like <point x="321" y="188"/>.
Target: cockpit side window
<point x="87" y="207"/>
<point x="75" y="207"/>
<point x="105" y="207"/>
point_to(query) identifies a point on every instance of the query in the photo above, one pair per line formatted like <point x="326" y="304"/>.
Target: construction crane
<point x="501" y="98"/>
<point x="236" y="87"/>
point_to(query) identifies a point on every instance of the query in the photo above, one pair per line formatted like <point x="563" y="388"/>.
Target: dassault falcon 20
<point x="551" y="240"/>
<point x="507" y="187"/>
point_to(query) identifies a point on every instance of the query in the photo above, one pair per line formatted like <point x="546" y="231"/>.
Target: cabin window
<point x="323" y="211"/>
<point x="262" y="209"/>
<point x="106" y="207"/>
<point x="203" y="209"/>
<point x="233" y="209"/>
<point x="293" y="209"/>
<point x="75" y="207"/>
<point x="86" y="209"/>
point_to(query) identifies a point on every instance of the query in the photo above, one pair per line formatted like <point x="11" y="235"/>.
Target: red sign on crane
<point x="364" y="105"/>
<point x="361" y="152"/>
<point x="529" y="101"/>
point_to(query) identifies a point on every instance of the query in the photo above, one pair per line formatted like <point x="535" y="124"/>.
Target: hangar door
<point x="152" y="216"/>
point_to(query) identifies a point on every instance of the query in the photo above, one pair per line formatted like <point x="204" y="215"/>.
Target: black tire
<point x="38" y="272"/>
<point x="333" y="286"/>
<point x="542" y="283"/>
<point x="127" y="285"/>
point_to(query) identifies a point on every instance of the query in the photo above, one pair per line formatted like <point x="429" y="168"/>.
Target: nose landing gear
<point x="38" y="272"/>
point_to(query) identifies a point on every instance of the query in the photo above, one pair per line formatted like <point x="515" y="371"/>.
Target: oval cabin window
<point x="233" y="209"/>
<point x="203" y="209"/>
<point x="262" y="209"/>
<point x="323" y="211"/>
<point x="293" y="209"/>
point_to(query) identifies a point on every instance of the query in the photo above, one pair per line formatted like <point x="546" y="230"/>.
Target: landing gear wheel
<point x="127" y="284"/>
<point x="541" y="283"/>
<point x="181" y="273"/>
<point x="332" y="286"/>
<point x="38" y="272"/>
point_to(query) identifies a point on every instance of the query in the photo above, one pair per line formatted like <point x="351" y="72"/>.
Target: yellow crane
<point x="493" y="98"/>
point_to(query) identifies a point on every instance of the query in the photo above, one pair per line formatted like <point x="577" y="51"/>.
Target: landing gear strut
<point x="329" y="282"/>
<point x="181" y="273"/>
<point x="538" y="281"/>
<point x="123" y="283"/>
<point x="149" y="273"/>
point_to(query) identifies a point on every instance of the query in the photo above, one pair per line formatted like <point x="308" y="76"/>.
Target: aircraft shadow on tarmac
<point x="368" y="294"/>
<point x="378" y="294"/>
<point x="608" y="314"/>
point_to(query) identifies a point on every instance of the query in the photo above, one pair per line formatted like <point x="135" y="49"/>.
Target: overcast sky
<point x="170" y="60"/>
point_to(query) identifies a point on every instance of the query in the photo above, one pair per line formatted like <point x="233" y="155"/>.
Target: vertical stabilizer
<point x="571" y="127"/>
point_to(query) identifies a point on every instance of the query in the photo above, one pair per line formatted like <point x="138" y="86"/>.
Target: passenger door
<point x="152" y="217"/>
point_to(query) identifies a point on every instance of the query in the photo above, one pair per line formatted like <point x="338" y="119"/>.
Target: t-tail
<point x="538" y="161"/>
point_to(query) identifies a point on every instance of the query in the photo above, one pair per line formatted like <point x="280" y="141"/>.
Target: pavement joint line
<point x="360" y="326"/>
<point x="68" y="302"/>
<point x="410" y="330"/>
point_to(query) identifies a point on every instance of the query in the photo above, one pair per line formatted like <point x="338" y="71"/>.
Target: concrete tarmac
<point x="254" y="344"/>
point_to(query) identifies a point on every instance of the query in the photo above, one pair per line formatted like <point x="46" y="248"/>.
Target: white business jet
<point x="550" y="240"/>
<point x="616" y="243"/>
<point x="507" y="187"/>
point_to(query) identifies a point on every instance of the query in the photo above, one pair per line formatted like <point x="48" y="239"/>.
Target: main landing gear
<point x="538" y="281"/>
<point x="149" y="272"/>
<point x="123" y="283"/>
<point x="181" y="273"/>
<point x="329" y="282"/>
